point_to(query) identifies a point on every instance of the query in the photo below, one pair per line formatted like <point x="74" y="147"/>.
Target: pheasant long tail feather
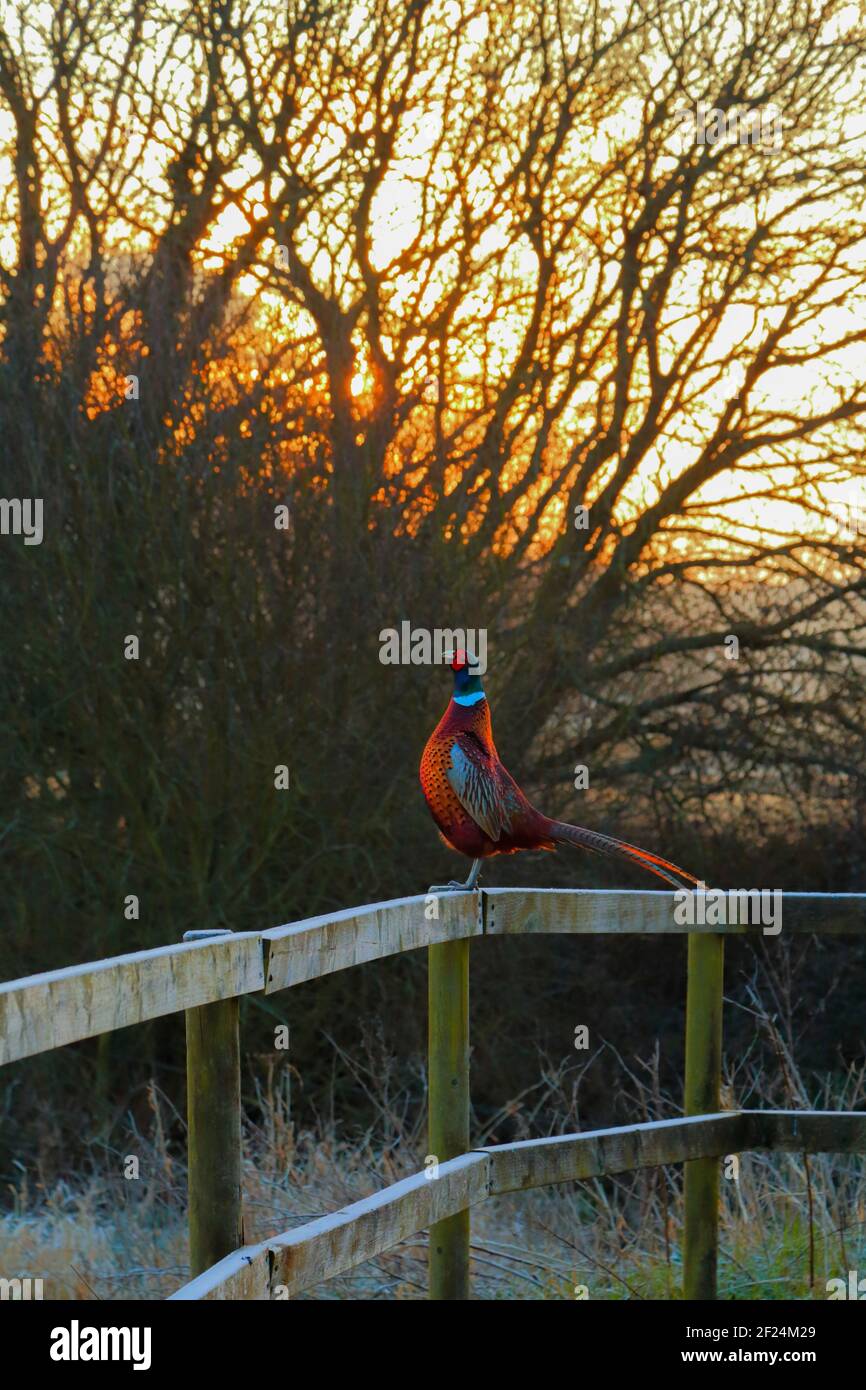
<point x="566" y="834"/>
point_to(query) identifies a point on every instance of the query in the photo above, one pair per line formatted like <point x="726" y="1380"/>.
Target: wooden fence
<point x="206" y="976"/>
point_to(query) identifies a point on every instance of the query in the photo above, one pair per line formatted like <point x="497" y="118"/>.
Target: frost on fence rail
<point x="321" y="945"/>
<point x="42" y="1012"/>
<point x="618" y="911"/>
<point x="300" y="1259"/>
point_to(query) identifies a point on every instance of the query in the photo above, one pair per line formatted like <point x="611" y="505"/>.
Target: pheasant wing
<point x="477" y="783"/>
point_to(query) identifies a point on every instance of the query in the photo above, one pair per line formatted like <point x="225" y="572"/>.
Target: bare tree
<point x="480" y="277"/>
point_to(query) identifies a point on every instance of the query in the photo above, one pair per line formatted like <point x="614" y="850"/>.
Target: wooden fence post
<point x="704" y="995"/>
<point x="448" y="1098"/>
<point x="213" y="1087"/>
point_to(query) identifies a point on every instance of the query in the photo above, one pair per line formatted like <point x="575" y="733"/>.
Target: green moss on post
<point x="448" y="1083"/>
<point x="213" y="1077"/>
<point x="703" y="1076"/>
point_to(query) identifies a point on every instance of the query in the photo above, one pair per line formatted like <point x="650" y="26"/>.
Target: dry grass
<point x="788" y="1223"/>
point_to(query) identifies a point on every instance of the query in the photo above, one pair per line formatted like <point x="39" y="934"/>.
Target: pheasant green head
<point x="468" y="689"/>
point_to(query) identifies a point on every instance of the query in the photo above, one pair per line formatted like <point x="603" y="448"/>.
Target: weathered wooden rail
<point x="206" y="978"/>
<point x="300" y="1259"/>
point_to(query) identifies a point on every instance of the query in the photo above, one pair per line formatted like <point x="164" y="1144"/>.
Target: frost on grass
<point x="788" y="1224"/>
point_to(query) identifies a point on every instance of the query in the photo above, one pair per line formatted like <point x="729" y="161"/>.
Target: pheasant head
<point x="468" y="689"/>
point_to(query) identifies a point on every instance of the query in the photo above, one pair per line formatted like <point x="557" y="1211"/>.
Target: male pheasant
<point x="478" y="806"/>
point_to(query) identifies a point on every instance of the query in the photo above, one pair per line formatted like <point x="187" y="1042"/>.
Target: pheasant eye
<point x="459" y="661"/>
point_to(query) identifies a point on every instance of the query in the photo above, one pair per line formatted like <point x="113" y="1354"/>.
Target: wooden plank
<point x="245" y="1274"/>
<point x="448" y="1101"/>
<point x="305" y="1257"/>
<point x="575" y="910"/>
<point x="287" y="1264"/>
<point x="316" y="1251"/>
<point x="704" y="1004"/>
<point x="618" y="911"/>
<point x="319" y="1250"/>
<point x="41" y="1012"/>
<point x="807" y="1131"/>
<point x="322" y="945"/>
<point x="576" y="1157"/>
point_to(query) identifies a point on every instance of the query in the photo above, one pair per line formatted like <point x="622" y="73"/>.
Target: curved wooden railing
<point x="205" y="976"/>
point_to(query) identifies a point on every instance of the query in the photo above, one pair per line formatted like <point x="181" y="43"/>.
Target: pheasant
<point x="478" y="806"/>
